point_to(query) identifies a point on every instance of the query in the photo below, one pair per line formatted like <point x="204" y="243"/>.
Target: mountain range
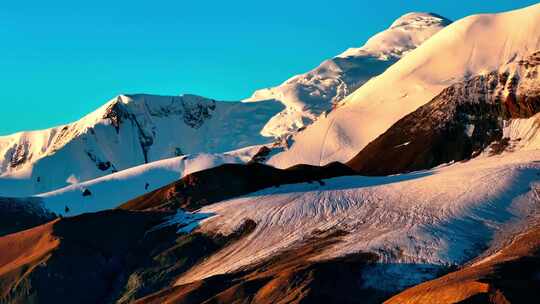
<point x="403" y="171"/>
<point x="132" y="130"/>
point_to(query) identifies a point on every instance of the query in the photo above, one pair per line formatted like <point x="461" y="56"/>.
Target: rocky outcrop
<point x="100" y="164"/>
<point x="462" y="121"/>
<point x="19" y="155"/>
<point x="194" y="111"/>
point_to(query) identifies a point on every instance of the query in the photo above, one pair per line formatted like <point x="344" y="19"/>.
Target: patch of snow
<point x="187" y="221"/>
<point x="523" y="133"/>
<point x="403" y="144"/>
<point x="72" y="179"/>
<point x="469" y="130"/>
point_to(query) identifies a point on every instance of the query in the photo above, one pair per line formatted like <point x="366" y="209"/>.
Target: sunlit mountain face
<point x="405" y="170"/>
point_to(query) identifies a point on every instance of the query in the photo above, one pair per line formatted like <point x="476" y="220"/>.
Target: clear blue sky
<point x="62" y="59"/>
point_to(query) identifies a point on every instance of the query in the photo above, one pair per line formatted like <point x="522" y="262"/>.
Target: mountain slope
<point x="308" y="95"/>
<point x="461" y="122"/>
<point x="344" y="238"/>
<point x="291" y="276"/>
<point x="471" y="46"/>
<point x="417" y="223"/>
<point x="112" y="190"/>
<point x="82" y="260"/>
<point x="245" y="231"/>
<point x="216" y="184"/>
<point x="511" y="275"/>
<point x="75" y="260"/>
<point x="127" y="131"/>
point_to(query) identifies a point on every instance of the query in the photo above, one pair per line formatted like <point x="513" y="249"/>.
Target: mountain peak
<point x="420" y="19"/>
<point x="404" y="34"/>
<point x="308" y="95"/>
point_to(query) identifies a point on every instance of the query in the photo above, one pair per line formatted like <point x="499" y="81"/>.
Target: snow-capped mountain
<point x="112" y="190"/>
<point x="131" y="130"/>
<point x="127" y="131"/>
<point x="307" y="95"/>
<point x="461" y="122"/>
<point x="450" y="134"/>
<point x="472" y="46"/>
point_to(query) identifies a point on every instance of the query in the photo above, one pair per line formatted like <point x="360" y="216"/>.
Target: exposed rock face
<point x="195" y="115"/>
<point x="101" y="165"/>
<point x="172" y="256"/>
<point x="194" y="111"/>
<point x="460" y="122"/>
<point x="86" y="192"/>
<point x="19" y="155"/>
<point x="230" y="180"/>
<point x="261" y="155"/>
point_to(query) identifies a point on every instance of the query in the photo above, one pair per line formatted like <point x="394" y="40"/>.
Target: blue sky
<point x="62" y="59"/>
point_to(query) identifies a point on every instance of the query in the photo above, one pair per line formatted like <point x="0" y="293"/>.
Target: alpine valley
<point x="406" y="170"/>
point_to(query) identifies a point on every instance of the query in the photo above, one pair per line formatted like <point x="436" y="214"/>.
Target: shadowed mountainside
<point x="288" y="277"/>
<point x="17" y="214"/>
<point x="82" y="260"/>
<point x="511" y="275"/>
